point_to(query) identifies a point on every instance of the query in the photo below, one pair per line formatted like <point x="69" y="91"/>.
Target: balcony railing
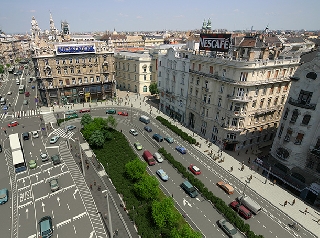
<point x="302" y="104"/>
<point x="239" y="98"/>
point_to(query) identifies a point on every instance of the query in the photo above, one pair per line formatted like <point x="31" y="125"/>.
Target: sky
<point x="159" y="15"/>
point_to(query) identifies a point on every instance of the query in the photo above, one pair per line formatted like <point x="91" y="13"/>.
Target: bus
<point x="21" y="89"/>
<point x="19" y="162"/>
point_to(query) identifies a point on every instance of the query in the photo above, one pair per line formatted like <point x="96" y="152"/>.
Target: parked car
<point x="84" y="110"/>
<point x="27" y="94"/>
<point x="55" y="159"/>
<point x="13" y="123"/>
<point x="45" y="225"/>
<point x="4" y="195"/>
<point x="32" y="164"/>
<point x="54" y="185"/>
<point x="71" y="127"/>
<point x="229" y="229"/>
<point x="147" y="128"/>
<point x="111" y="111"/>
<point x="189" y="189"/>
<point x="157" y="137"/>
<point x="25" y="135"/>
<point x="163" y="175"/>
<point x="170" y="140"/>
<point x="123" y="114"/>
<point x="35" y="134"/>
<point x="157" y="157"/>
<point x="138" y="145"/>
<point x="74" y="115"/>
<point x="25" y="102"/>
<point x="44" y="157"/>
<point x="9" y="93"/>
<point x="226" y="187"/>
<point x="181" y="149"/>
<point x="54" y="139"/>
<point x="70" y="112"/>
<point x="194" y="169"/>
<point x="133" y="132"/>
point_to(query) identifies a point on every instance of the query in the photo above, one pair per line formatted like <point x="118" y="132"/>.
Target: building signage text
<point x="75" y="49"/>
<point x="215" y="42"/>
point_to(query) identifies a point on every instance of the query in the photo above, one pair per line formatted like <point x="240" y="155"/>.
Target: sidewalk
<point x="272" y="193"/>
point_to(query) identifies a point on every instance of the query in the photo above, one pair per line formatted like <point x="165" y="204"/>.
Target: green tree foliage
<point x="135" y="169"/>
<point x="1" y="69"/>
<point x="96" y="139"/>
<point x="97" y="124"/>
<point x="153" y="88"/>
<point x="164" y="213"/>
<point x="111" y="121"/>
<point x="86" y="119"/>
<point x="147" y="188"/>
<point x="185" y="232"/>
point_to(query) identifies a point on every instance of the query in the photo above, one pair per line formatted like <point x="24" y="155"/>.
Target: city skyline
<point x="124" y="15"/>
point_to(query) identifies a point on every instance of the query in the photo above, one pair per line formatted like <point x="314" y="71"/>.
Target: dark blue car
<point x="181" y="149"/>
<point x="148" y="128"/>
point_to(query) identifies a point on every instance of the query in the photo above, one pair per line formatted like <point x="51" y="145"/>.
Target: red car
<point x="27" y="94"/>
<point x="84" y="110"/>
<point x="13" y="123"/>
<point x="123" y="114"/>
<point x="194" y="169"/>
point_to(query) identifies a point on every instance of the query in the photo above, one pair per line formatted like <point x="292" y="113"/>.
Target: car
<point x="74" y="115"/>
<point x="163" y="175"/>
<point x="133" y="132"/>
<point x="9" y="93"/>
<point x="242" y="210"/>
<point x="123" y="114"/>
<point x="71" y="127"/>
<point x="54" y="139"/>
<point x="4" y="194"/>
<point x="147" y="128"/>
<point x="111" y="111"/>
<point x="45" y="225"/>
<point x="138" y="145"/>
<point x="55" y="159"/>
<point x="54" y="185"/>
<point x="229" y="229"/>
<point x="35" y="134"/>
<point x="70" y="112"/>
<point x="0" y="148"/>
<point x="27" y="94"/>
<point x="32" y="164"/>
<point x="25" y="102"/>
<point x="157" y="137"/>
<point x="25" y="135"/>
<point x="84" y="110"/>
<point x="226" y="187"/>
<point x="13" y="123"/>
<point x="194" y="169"/>
<point x="44" y="157"/>
<point x="170" y="140"/>
<point x="181" y="149"/>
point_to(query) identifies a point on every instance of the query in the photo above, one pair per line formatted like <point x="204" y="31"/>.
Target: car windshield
<point x="196" y="168"/>
<point x="3" y="195"/>
<point x="54" y="183"/>
<point x="43" y="155"/>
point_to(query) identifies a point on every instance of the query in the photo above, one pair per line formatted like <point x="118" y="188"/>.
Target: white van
<point x="3" y="101"/>
<point x="145" y="119"/>
<point x="253" y="206"/>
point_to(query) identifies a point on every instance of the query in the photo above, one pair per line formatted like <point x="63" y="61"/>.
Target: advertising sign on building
<point x="75" y="49"/>
<point x="215" y="42"/>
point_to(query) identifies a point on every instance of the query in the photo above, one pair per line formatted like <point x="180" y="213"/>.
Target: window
<point x="159" y="73"/>
<point x="254" y="103"/>
<point x="305" y="97"/>
<point x="257" y="91"/>
<point x="144" y="77"/>
<point x="219" y="102"/>
<point x="285" y="88"/>
<point x="65" y="71"/>
<point x="85" y="80"/>
<point x="234" y="122"/>
<point x="224" y="71"/>
<point x="205" y="98"/>
<point x="191" y="90"/>
<point x="63" y="61"/>
<point x="209" y="99"/>
<point x="57" y="61"/>
<point x="89" y="60"/>
<point x="221" y="88"/>
<point x="77" y="60"/>
<point x="182" y="80"/>
<point x="264" y="90"/>
<point x="72" y="70"/>
<point x="243" y="76"/>
<point x="60" y="82"/>
<point x="276" y="101"/>
<point x="211" y="70"/>
<point x="261" y="102"/>
<point x="282" y="99"/>
<point x="83" y="60"/>
<point x="217" y="116"/>
<point x="280" y="131"/>
<point x="199" y="68"/>
<point x="299" y="139"/>
<point x="231" y="136"/>
<point x="198" y="81"/>
<point x="268" y="74"/>
<point x="206" y="84"/>
<point x="271" y="89"/>
<point x="70" y="60"/>
<point x="145" y="89"/>
<point x="196" y="93"/>
<point x="288" y="135"/>
<point x="98" y="78"/>
<point x="207" y="112"/>
<point x="215" y="130"/>
<point x="306" y="120"/>
<point x="80" y="80"/>
<point x="294" y="116"/>
<point x="276" y="74"/>
<point x="269" y="102"/>
<point x="279" y="89"/>
<point x="240" y="92"/>
<point x="59" y="71"/>
<point x="73" y="81"/>
<point x="92" y="79"/>
<point x="285" y="115"/>
<point x="181" y="91"/>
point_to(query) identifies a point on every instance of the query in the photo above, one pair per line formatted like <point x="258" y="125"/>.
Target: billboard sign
<point x="215" y="42"/>
<point x="75" y="49"/>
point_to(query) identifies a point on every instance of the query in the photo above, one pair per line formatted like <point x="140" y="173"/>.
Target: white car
<point x="54" y="139"/>
<point x="35" y="134"/>
<point x="133" y="132"/>
<point x="9" y="93"/>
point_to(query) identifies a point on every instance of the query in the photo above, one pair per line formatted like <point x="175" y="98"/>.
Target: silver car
<point x="229" y="229"/>
<point x="54" y="139"/>
<point x="54" y="185"/>
<point x="133" y="132"/>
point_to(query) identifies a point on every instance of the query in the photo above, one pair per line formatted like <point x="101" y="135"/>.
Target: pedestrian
<point x="285" y="203"/>
<point x="250" y="177"/>
<point x="239" y="153"/>
<point x="172" y="195"/>
<point x="293" y="202"/>
<point x="99" y="187"/>
<point x="87" y="166"/>
<point x="318" y="221"/>
<point x="94" y="183"/>
<point x="249" y="160"/>
<point x="91" y="186"/>
<point x="231" y="169"/>
<point x="246" y="151"/>
<point x="274" y="182"/>
<point x="242" y="167"/>
<point x="305" y="211"/>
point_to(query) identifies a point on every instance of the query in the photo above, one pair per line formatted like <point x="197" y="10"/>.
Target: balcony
<point x="266" y="111"/>
<point x="302" y="104"/>
<point x="239" y="98"/>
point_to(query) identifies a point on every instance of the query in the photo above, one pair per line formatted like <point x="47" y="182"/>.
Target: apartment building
<point x="236" y="101"/>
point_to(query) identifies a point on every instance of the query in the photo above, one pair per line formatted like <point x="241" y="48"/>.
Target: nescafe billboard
<point x="215" y="42"/>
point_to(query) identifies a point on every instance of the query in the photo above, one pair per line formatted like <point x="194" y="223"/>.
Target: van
<point x="157" y="137"/>
<point x="189" y="189"/>
<point x="3" y="101"/>
<point x="242" y="210"/>
<point x="45" y="225"/>
<point x="144" y="119"/>
<point x="148" y="157"/>
<point x="253" y="206"/>
<point x="157" y="157"/>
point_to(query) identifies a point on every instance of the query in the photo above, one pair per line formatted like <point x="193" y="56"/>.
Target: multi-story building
<point x="236" y="100"/>
<point x="297" y="144"/>
<point x="73" y="73"/>
<point x="173" y="81"/>
<point x="135" y="71"/>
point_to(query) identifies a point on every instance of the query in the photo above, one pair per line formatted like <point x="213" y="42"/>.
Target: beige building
<point x="74" y="73"/>
<point x="236" y="101"/>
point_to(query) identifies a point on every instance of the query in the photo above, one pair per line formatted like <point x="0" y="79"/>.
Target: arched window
<point x="285" y="115"/>
<point x="306" y="120"/>
<point x="145" y="89"/>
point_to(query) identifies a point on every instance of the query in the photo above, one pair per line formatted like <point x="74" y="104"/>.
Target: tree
<point x="112" y="122"/>
<point x="135" y="169"/>
<point x="147" y="187"/>
<point x="1" y="69"/>
<point x="164" y="213"/>
<point x="86" y="119"/>
<point x="99" y="124"/>
<point x="185" y="232"/>
<point x="96" y="139"/>
<point x="153" y="88"/>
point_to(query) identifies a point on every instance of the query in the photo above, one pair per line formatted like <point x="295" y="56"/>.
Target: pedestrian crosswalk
<point x="19" y="114"/>
<point x="63" y="134"/>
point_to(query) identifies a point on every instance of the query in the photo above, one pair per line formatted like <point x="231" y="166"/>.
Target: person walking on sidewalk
<point x="285" y="203"/>
<point x="306" y="211"/>
<point x="293" y="202"/>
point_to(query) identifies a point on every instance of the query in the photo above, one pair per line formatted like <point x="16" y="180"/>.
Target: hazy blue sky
<point x="144" y="15"/>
